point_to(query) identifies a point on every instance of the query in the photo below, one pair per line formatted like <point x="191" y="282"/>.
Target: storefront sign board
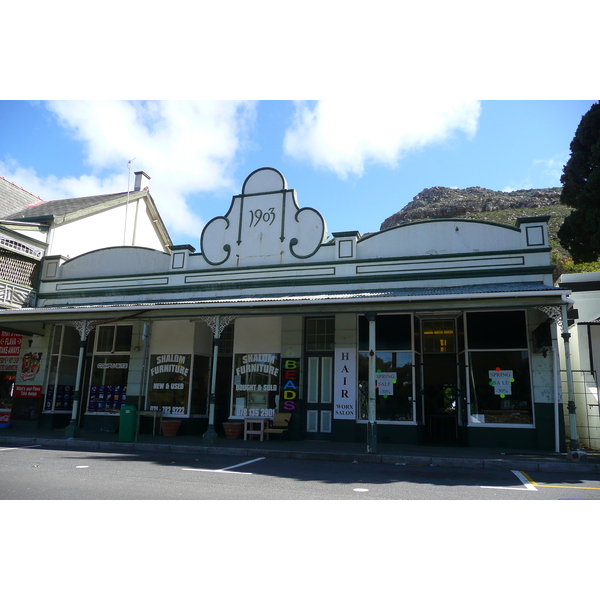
<point x="344" y="390"/>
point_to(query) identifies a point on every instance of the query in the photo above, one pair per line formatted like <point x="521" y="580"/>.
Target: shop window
<point x="64" y="359"/>
<point x="256" y="385"/>
<point x="497" y="329"/>
<point x="499" y="371"/>
<point x="110" y="368"/>
<point x="438" y="337"/>
<point x="394" y="371"/>
<point x="392" y="332"/>
<point x="169" y="383"/>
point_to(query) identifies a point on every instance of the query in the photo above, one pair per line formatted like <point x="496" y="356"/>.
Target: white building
<point x="423" y="333"/>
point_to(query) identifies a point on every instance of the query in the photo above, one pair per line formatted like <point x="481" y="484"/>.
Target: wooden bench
<point x="281" y="422"/>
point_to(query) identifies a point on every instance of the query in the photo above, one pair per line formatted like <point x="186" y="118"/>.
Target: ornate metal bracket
<point x="84" y="327"/>
<point x="554" y="312"/>
<point x="223" y="322"/>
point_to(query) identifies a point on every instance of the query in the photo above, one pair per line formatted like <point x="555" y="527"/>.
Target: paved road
<point x="51" y="474"/>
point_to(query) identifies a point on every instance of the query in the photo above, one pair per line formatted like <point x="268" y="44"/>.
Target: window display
<point x="110" y="368"/>
<point x="256" y="385"/>
<point x="499" y="372"/>
<point x="63" y="369"/>
<point x="394" y="371"/>
<point x="169" y="383"/>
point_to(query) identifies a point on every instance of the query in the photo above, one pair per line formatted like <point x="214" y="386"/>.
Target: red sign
<point x="10" y="343"/>
<point x="27" y="391"/>
<point x="4" y="416"/>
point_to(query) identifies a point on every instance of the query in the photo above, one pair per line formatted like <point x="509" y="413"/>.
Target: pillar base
<point x="210" y="435"/>
<point x="371" y="438"/>
<point x="72" y="430"/>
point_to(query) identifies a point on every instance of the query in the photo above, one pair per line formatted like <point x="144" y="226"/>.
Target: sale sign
<point x="10" y="343"/>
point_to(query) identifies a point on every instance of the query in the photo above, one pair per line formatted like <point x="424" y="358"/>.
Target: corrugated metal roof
<point x="329" y="297"/>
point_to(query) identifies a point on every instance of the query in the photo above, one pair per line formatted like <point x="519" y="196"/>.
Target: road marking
<point x="569" y="487"/>
<point x="228" y="469"/>
<point x="522" y="477"/>
<point x="21" y="447"/>
<point x="82" y="467"/>
<point x="360" y="490"/>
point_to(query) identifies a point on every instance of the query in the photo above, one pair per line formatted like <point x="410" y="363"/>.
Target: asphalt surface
<point x="476" y="458"/>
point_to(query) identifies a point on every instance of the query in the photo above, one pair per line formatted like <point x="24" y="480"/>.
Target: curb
<point x="498" y="464"/>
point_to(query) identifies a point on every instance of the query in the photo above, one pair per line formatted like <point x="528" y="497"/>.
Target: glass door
<point x="439" y="392"/>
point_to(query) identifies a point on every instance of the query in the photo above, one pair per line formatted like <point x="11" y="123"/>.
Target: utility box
<point x="127" y="423"/>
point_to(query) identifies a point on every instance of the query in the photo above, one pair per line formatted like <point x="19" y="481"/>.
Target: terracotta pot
<point x="170" y="427"/>
<point x="234" y="430"/>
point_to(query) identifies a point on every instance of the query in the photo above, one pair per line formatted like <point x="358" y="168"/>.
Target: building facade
<point x="431" y="332"/>
<point x="585" y="354"/>
<point x="30" y="229"/>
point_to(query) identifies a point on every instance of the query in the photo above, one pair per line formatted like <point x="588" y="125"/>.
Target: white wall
<point x="103" y="230"/>
<point x="257" y="334"/>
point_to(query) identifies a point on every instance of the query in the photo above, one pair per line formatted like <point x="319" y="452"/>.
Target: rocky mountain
<point x="487" y="205"/>
<point x="443" y="202"/>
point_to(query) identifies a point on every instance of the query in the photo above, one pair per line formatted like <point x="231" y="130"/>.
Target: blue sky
<point x="409" y="96"/>
<point x="356" y="162"/>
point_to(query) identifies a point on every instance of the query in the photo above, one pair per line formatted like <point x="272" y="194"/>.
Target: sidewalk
<point x="435" y="456"/>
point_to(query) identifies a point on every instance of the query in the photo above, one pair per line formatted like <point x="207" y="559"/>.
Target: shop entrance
<point x="319" y="397"/>
<point x="439" y="378"/>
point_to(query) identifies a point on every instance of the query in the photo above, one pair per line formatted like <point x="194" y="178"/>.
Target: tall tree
<point x="580" y="232"/>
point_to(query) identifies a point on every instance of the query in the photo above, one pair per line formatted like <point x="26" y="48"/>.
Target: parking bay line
<point x="523" y="478"/>
<point x="570" y="487"/>
<point x="21" y="447"/>
<point x="228" y="469"/>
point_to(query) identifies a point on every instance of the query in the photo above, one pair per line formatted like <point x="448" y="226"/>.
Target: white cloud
<point x="343" y="136"/>
<point x="184" y="146"/>
<point x="552" y="169"/>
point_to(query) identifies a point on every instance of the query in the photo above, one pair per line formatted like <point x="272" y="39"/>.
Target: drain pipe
<point x="556" y="367"/>
<point x="372" y="425"/>
<point x="574" y="445"/>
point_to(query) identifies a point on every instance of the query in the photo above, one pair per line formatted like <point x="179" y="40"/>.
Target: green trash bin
<point x="127" y="423"/>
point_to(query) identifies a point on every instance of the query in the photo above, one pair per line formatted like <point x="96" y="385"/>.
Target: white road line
<point x="21" y="447"/>
<point x="227" y="469"/>
<point x="242" y="464"/>
<point x="528" y="487"/>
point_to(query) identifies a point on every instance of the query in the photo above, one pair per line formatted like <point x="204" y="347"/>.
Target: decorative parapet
<point x="345" y="242"/>
<point x="534" y="230"/>
<point x="264" y="225"/>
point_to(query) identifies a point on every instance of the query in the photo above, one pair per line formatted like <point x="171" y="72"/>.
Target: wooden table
<point x="250" y="429"/>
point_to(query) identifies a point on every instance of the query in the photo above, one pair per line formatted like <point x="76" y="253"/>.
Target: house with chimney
<point x="31" y="229"/>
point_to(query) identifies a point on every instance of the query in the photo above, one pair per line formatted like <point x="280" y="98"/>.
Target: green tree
<point x="580" y="232"/>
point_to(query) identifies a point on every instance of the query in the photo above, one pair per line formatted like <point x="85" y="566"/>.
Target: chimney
<point x="141" y="181"/>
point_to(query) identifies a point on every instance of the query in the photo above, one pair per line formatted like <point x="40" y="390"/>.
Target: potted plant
<point x="170" y="426"/>
<point x="234" y="430"/>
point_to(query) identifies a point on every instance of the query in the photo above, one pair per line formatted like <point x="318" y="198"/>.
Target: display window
<point x="499" y="370"/>
<point x="169" y="383"/>
<point x="394" y="369"/>
<point x="64" y="357"/>
<point x="256" y="385"/>
<point x="109" y="368"/>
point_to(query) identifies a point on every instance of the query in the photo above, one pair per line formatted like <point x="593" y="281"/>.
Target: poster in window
<point x="169" y="383"/>
<point x="256" y="385"/>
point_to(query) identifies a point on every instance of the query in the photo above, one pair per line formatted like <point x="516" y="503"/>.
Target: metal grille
<point x="17" y="269"/>
<point x="585" y="392"/>
<point x="20" y="247"/>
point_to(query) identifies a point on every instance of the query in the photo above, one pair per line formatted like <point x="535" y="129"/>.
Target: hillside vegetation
<point x="499" y="207"/>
